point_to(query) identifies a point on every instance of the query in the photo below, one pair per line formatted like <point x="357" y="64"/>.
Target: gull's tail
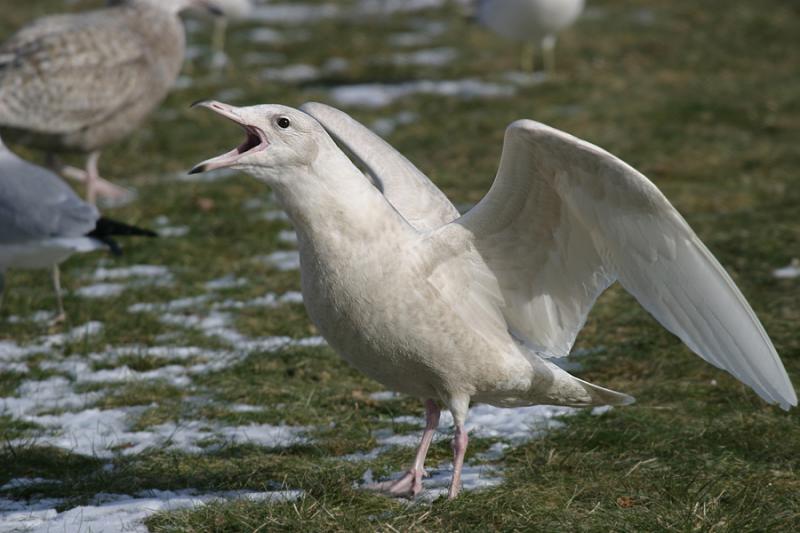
<point x="106" y="229"/>
<point x="554" y="386"/>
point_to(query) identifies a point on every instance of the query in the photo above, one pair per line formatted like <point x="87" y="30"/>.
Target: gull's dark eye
<point x="284" y="122"/>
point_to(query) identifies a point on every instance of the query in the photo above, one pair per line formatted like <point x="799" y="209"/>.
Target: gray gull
<point x="43" y="222"/>
<point x="83" y="81"/>
<point x="473" y="309"/>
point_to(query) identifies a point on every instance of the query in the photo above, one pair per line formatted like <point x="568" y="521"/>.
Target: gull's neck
<point x="332" y="201"/>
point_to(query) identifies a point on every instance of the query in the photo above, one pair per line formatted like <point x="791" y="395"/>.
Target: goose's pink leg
<point x="411" y="483"/>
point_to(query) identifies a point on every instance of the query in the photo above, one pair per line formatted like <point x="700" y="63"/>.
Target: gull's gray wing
<point x="563" y="220"/>
<point x="410" y="191"/>
<point x="65" y="72"/>
<point x="36" y="204"/>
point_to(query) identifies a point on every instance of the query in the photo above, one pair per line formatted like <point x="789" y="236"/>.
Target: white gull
<point x="532" y="21"/>
<point x="459" y="309"/>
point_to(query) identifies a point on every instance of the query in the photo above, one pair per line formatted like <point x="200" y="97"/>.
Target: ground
<point x="188" y="379"/>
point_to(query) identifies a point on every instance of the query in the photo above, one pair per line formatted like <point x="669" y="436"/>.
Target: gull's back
<point x="36" y="205"/>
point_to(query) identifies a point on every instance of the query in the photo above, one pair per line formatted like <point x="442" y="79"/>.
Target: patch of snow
<point x="173" y="231"/>
<point x="513" y="425"/>
<point x="270" y="300"/>
<point x="39" y="317"/>
<point x="218" y="325"/>
<point x="788" y="272"/>
<point x="101" y="290"/>
<point x="391" y="7"/>
<point x="385" y="395"/>
<point x="225" y="282"/>
<point x="525" y="79"/>
<point x="174" y="305"/>
<point x="23" y="482"/>
<point x="16" y="368"/>
<point x="273" y="216"/>
<point x="376" y="95"/>
<point x="106" y="432"/>
<point x="335" y="65"/>
<point x="424" y="33"/>
<point x="294" y="13"/>
<point x="265" y="36"/>
<point x="183" y="82"/>
<point x="136" y="271"/>
<point x="288" y="236"/>
<point x="282" y="260"/>
<point x="117" y="513"/>
<point x="435" y="57"/>
<point x="495" y="452"/>
<point x="253" y="203"/>
<point x="41" y="396"/>
<point x="245" y="408"/>
<point x="473" y="477"/>
<point x="386" y="126"/>
<point x="291" y="73"/>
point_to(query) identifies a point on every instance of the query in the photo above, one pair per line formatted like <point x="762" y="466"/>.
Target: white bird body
<point x="457" y="310"/>
<point x="531" y="21"/>
<point x="528" y="20"/>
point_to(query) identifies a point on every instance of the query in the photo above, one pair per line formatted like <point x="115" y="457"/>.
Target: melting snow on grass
<point x="110" y="513"/>
<point x="110" y="282"/>
<point x="790" y="271"/>
<point x="509" y="427"/>
<point x="283" y="260"/>
<point x="473" y="477"/>
<point x="376" y="95"/>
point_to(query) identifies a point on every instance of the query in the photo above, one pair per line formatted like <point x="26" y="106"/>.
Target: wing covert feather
<point x="410" y="191"/>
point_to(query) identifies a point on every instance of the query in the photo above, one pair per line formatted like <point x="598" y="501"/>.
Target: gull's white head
<point x="280" y="141"/>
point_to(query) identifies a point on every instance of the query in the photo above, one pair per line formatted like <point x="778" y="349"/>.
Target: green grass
<point x="702" y="99"/>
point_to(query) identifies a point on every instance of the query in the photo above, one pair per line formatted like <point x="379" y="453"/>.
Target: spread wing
<point x="410" y="191"/>
<point x="565" y="219"/>
<point x="65" y="72"/>
<point x="36" y="204"/>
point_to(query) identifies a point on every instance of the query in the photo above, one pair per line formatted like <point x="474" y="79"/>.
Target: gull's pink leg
<point x="92" y="178"/>
<point x="460" y="441"/>
<point x="411" y="483"/>
<point x="95" y="184"/>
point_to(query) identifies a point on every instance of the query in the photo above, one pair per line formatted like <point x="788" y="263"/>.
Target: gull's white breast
<point x="44" y="253"/>
<point x="374" y="305"/>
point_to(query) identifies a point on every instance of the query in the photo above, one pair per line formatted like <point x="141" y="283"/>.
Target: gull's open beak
<point x="256" y="139"/>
